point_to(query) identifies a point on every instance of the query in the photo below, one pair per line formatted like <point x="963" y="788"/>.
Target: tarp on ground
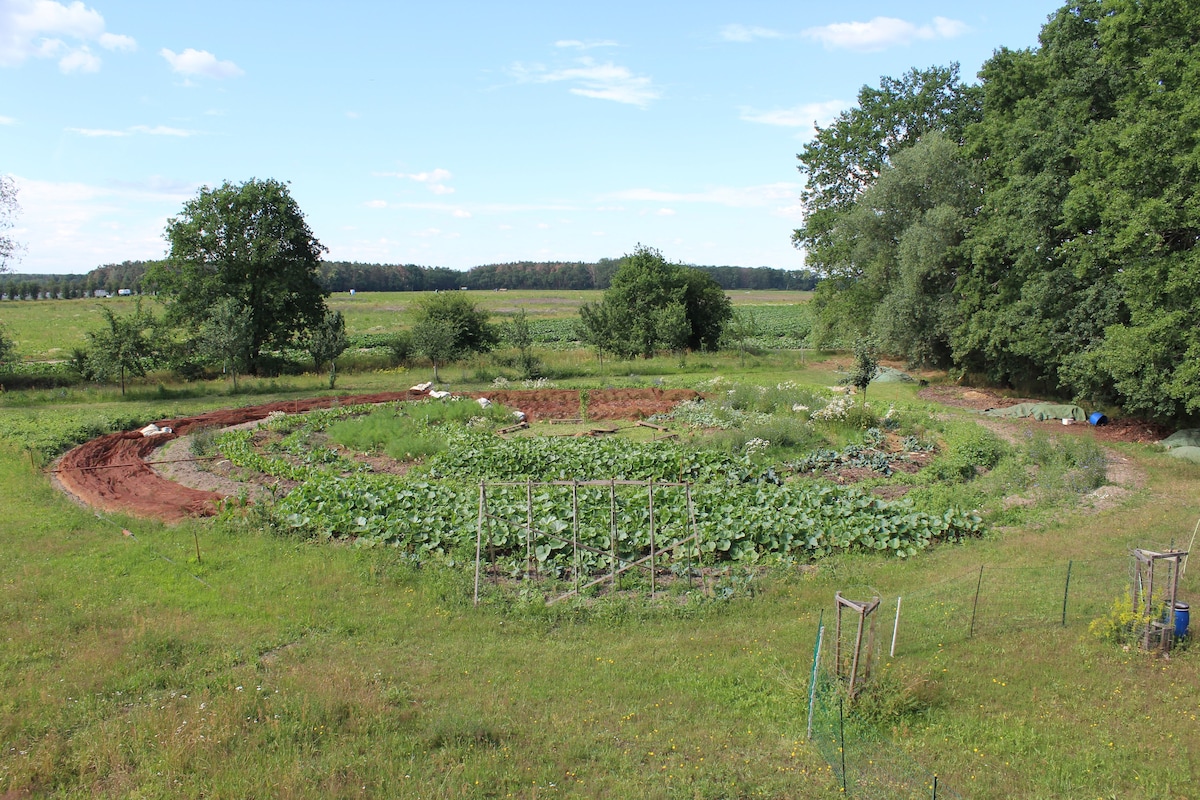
<point x="1187" y="451"/>
<point x="1189" y="437"/>
<point x="891" y="375"/>
<point x="1040" y="411"/>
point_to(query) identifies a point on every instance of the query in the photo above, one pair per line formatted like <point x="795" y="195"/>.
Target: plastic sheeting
<point x="1040" y="411"/>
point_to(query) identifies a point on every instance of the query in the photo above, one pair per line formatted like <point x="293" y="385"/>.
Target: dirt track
<point x="110" y="473"/>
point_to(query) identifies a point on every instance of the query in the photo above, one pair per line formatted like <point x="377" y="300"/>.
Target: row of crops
<point x="739" y="512"/>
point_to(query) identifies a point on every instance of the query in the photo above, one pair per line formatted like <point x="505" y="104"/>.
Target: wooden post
<point x="479" y="538"/>
<point x="612" y="528"/>
<point x="575" y="530"/>
<point x="530" y="564"/>
<point x="691" y="511"/>
<point x="196" y="536"/>
<point x="653" y="577"/>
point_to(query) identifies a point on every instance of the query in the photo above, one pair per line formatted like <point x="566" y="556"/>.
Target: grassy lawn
<point x="277" y="667"/>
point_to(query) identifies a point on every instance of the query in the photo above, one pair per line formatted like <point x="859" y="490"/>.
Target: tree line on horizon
<point x="342" y="276"/>
<point x="1040" y="228"/>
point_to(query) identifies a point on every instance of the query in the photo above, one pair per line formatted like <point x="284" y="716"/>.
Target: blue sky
<point x="454" y="133"/>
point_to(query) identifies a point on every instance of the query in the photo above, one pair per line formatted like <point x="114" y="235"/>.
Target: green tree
<point x="125" y="346"/>
<point x="866" y="364"/>
<point x="9" y="248"/>
<point x="8" y="351"/>
<point x="673" y="329"/>
<point x="741" y="330"/>
<point x="472" y="331"/>
<point x="326" y="342"/>
<point x="844" y="159"/>
<point x="902" y="244"/>
<point x="521" y="337"/>
<point x="227" y="336"/>
<point x="438" y="340"/>
<point x="249" y="243"/>
<point x="645" y="284"/>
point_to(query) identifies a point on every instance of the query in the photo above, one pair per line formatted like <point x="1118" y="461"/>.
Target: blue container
<point x="1182" y="616"/>
<point x="1096" y="418"/>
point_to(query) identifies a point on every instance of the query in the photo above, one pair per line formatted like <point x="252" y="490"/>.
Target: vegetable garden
<point x="737" y="507"/>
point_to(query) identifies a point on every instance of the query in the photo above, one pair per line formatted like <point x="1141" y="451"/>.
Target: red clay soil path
<point x="110" y="473"/>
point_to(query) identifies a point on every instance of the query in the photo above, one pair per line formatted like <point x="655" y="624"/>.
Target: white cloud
<point x="97" y="132"/>
<point x="200" y="62"/>
<point x="115" y="41"/>
<point x="73" y="227"/>
<point x="157" y="130"/>
<point x="606" y="81"/>
<point x="80" y="60"/>
<point x="666" y="212"/>
<point x="461" y="213"/>
<point x="748" y="33"/>
<point x="376" y="204"/>
<point x="806" y="116"/>
<point x="434" y="180"/>
<point x="883" y="32"/>
<point x="162" y="130"/>
<point x="729" y="196"/>
<point x="49" y="29"/>
<point x="576" y="44"/>
<point x="7" y="121"/>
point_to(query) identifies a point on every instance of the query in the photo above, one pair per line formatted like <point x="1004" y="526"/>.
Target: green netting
<point x="1041" y="411"/>
<point x="1189" y="437"/>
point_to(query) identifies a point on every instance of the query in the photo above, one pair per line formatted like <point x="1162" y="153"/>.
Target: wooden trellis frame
<point x="1151" y="593"/>
<point x="648" y="562"/>
<point x="863" y="612"/>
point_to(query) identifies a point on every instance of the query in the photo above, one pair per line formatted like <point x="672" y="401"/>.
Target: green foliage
<point x="449" y="326"/>
<point x="326" y="341"/>
<point x="227" y="337"/>
<point x="866" y="362"/>
<point x="965" y="451"/>
<point x="8" y="212"/>
<point x="631" y="318"/>
<point x="1120" y="624"/>
<point x="8" y="350"/>
<point x="126" y="346"/>
<point x="844" y="160"/>
<point x="247" y="244"/>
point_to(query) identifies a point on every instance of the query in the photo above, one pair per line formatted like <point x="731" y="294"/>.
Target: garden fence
<point x="985" y="601"/>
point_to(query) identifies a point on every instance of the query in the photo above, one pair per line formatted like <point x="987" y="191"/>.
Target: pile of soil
<point x="111" y="473"/>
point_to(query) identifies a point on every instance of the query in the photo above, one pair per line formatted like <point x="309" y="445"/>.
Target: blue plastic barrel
<point x="1096" y="418"/>
<point x="1182" y="617"/>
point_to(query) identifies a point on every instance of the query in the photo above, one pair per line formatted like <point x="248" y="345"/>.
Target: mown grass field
<point x="277" y="667"/>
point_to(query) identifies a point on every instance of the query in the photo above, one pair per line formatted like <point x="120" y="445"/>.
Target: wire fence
<point x="983" y="602"/>
<point x="866" y="763"/>
<point x="992" y="600"/>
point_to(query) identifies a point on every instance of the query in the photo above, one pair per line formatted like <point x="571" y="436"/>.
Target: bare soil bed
<point x="112" y="472"/>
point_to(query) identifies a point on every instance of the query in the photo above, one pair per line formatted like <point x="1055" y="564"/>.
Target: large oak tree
<point x="248" y="243"/>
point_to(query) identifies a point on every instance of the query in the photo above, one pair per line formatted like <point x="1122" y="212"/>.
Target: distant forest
<point x="342" y="276"/>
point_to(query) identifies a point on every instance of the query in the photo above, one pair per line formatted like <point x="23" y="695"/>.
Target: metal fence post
<point x="1066" y="592"/>
<point x="975" y="605"/>
<point x="812" y="683"/>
